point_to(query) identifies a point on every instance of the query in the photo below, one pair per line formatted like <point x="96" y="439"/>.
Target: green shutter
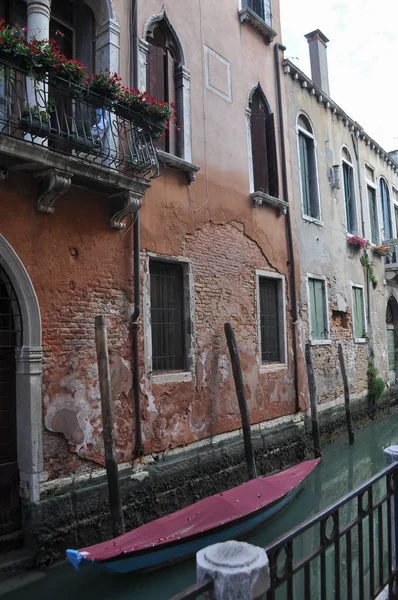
<point x="372" y="215"/>
<point x="305" y="176"/>
<point x="391" y="349"/>
<point x="359" y="317"/>
<point x="349" y="195"/>
<point x="318" y="309"/>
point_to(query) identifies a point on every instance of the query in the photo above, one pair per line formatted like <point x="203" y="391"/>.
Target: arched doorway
<point x="10" y="339"/>
<point x="392" y="326"/>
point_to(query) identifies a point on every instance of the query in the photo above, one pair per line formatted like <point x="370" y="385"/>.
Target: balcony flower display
<point x="357" y="242"/>
<point x="382" y="250"/>
<point x="43" y="58"/>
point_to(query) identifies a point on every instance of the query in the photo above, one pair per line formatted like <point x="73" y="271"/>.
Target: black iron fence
<point x="73" y="120"/>
<point x="261" y="9"/>
<point x="348" y="551"/>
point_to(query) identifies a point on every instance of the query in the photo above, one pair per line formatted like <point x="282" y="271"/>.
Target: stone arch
<point x="163" y="16"/>
<point x="107" y="41"/>
<point x="257" y="88"/>
<point x="28" y="374"/>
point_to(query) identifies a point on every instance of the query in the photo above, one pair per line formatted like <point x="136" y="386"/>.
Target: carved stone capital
<point x="131" y="203"/>
<point x="52" y="184"/>
<point x="39" y="7"/>
<point x="182" y="76"/>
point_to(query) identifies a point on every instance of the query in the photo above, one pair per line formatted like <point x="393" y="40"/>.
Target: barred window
<point x="271" y="319"/>
<point x="167" y="316"/>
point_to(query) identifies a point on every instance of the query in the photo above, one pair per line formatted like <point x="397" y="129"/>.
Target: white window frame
<point x="323" y="278"/>
<point x="372" y="183"/>
<point x="394" y="204"/>
<point x="350" y="164"/>
<point x="382" y="237"/>
<point x="282" y="364"/>
<point x="312" y="136"/>
<point x="189" y="308"/>
<point x="362" y="340"/>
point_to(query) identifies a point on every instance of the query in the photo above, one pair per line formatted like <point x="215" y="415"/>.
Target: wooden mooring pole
<point x="101" y="341"/>
<point x="346" y="396"/>
<point x="240" y="392"/>
<point x="314" y="409"/>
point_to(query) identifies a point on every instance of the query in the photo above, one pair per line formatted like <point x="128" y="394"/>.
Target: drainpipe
<point x="368" y="294"/>
<point x="289" y="233"/>
<point x="138" y="445"/>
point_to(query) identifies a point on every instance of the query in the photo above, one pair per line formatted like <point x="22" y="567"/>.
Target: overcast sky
<point x="362" y="55"/>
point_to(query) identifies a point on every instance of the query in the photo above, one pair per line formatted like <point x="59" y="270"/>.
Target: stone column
<point x="238" y="570"/>
<point x="183" y="106"/>
<point x="29" y="420"/>
<point x="38" y="12"/>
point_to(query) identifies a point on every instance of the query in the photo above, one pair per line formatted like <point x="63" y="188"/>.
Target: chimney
<point x="319" y="63"/>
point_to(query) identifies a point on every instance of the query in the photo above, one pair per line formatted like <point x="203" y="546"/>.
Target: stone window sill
<point x="260" y="198"/>
<point x="174" y="162"/>
<point x="181" y="377"/>
<point x="269" y="367"/>
<point x="361" y="340"/>
<point x="247" y="15"/>
<point x="312" y="220"/>
<point x="321" y="342"/>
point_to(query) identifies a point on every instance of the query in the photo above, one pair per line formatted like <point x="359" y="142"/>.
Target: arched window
<point x="263" y="145"/>
<point x="308" y="168"/>
<point x="163" y="60"/>
<point x="349" y="192"/>
<point x="385" y="210"/>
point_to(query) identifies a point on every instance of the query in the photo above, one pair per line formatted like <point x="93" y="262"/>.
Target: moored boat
<point x="227" y="515"/>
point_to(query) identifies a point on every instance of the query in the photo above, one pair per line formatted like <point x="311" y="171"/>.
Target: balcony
<point x="391" y="262"/>
<point x="255" y="14"/>
<point x="66" y="134"/>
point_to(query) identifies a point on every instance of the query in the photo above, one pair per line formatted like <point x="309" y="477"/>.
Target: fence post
<point x="390" y="457"/>
<point x="238" y="570"/>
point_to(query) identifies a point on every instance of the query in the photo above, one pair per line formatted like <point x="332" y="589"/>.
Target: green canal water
<point x="343" y="468"/>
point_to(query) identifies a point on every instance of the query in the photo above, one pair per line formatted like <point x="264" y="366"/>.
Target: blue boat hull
<point x="157" y="558"/>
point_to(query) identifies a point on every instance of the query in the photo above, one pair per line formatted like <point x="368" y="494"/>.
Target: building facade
<point x="344" y="185"/>
<point x="215" y="244"/>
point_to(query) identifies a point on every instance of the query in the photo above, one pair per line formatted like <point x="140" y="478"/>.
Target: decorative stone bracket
<point x="131" y="203"/>
<point x="260" y="198"/>
<point x="52" y="184"/>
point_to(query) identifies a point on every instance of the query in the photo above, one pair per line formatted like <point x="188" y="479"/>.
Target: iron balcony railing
<point x="66" y="118"/>
<point x="348" y="551"/>
<point x="260" y="8"/>
<point x="392" y="260"/>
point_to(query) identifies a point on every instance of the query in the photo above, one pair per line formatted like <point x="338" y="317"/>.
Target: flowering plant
<point x="382" y="250"/>
<point x="13" y="41"/>
<point x="106" y="83"/>
<point x="146" y="106"/>
<point x="358" y="242"/>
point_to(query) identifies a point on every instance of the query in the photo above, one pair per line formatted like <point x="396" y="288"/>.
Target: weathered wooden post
<point x="101" y="341"/>
<point x="240" y="392"/>
<point x="314" y="409"/>
<point x="346" y="396"/>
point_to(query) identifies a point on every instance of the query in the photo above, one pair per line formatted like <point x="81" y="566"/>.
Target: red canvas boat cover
<point x="206" y="514"/>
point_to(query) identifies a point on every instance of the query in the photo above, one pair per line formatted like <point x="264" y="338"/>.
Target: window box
<point x="66" y="86"/>
<point x="247" y="15"/>
<point x="260" y="198"/>
<point x="35" y="125"/>
<point x="356" y="242"/>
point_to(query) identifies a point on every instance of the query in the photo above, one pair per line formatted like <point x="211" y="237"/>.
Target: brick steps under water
<point x="14" y="563"/>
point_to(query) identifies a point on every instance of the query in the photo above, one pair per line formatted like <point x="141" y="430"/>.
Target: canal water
<point x="342" y="469"/>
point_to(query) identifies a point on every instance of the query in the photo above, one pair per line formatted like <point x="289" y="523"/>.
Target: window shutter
<point x="359" y="324"/>
<point x="156" y="83"/>
<point x="372" y="215"/>
<point x="385" y="206"/>
<point x="259" y="150"/>
<point x="156" y="73"/>
<point x="352" y="205"/>
<point x="272" y="155"/>
<point x="347" y="194"/>
<point x="318" y="309"/>
<point x="269" y="320"/>
<point x="305" y="179"/>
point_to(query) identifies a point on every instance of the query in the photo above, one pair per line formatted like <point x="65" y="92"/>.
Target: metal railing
<point x="258" y="6"/>
<point x="66" y="118"/>
<point x="348" y="551"/>
<point x="392" y="260"/>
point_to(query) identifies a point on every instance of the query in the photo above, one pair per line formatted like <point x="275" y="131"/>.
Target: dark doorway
<point x="10" y="338"/>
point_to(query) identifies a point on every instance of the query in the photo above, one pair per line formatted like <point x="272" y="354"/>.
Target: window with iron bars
<point x="167" y="316"/>
<point x="262" y="8"/>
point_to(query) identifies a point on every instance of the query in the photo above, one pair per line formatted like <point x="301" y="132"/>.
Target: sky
<point x="362" y="55"/>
